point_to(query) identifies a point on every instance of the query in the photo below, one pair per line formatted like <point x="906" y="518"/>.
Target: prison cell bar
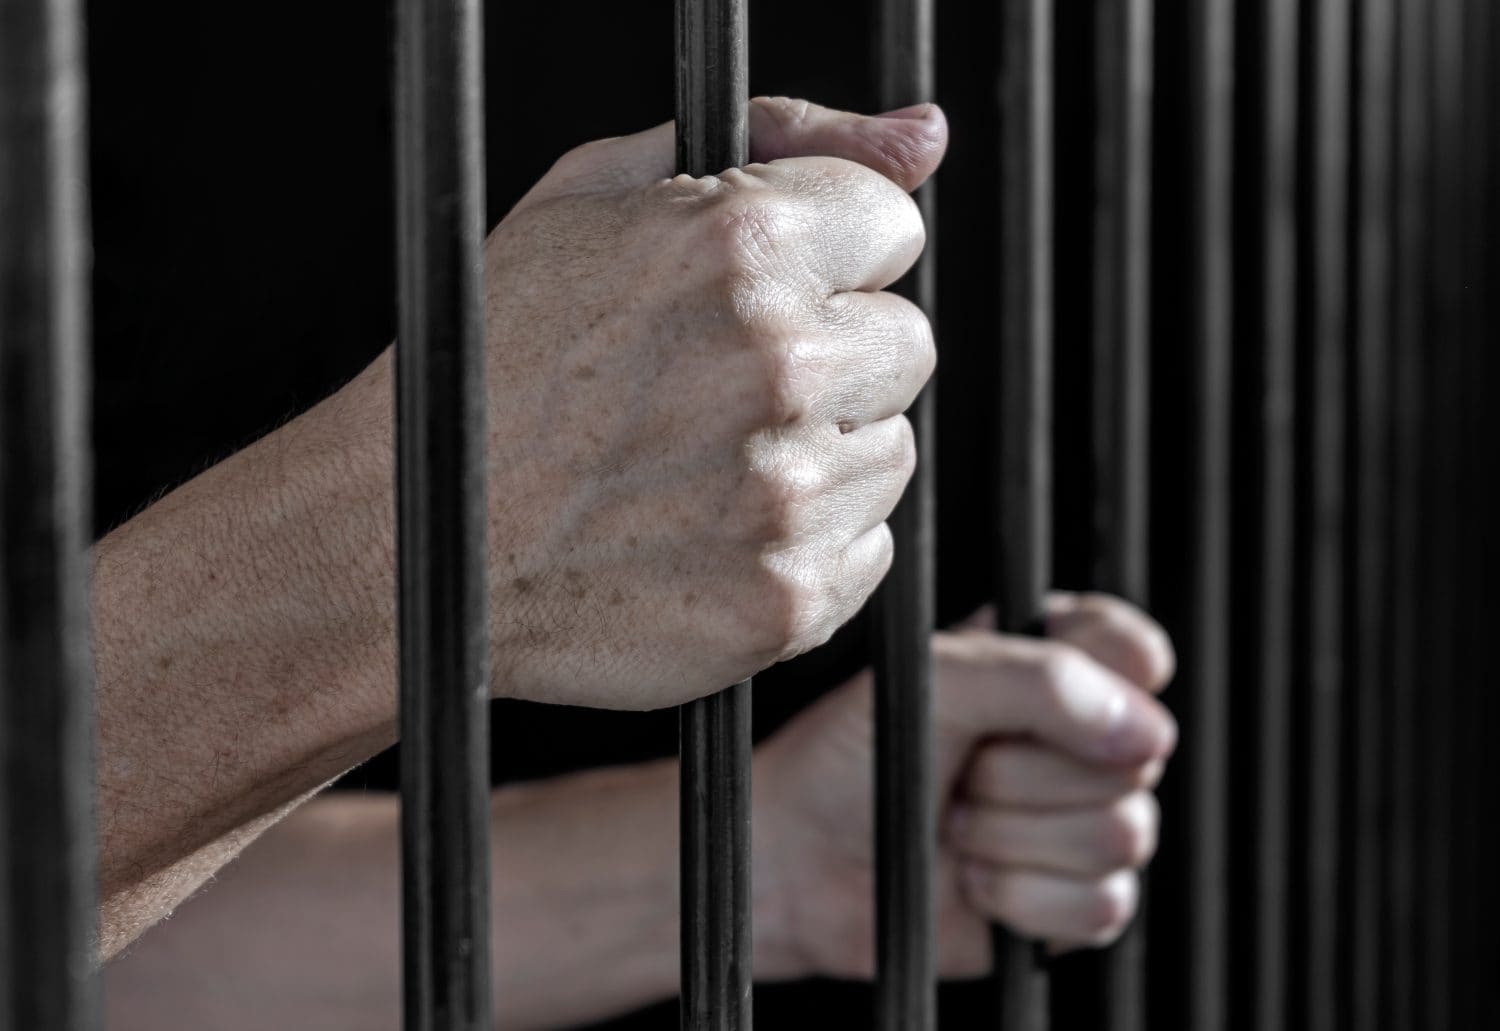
<point x="1401" y="953"/>
<point x="712" y="100"/>
<point x="1471" y="787"/>
<point x="1023" y="547"/>
<point x="47" y="852"/>
<point x="441" y="513"/>
<point x="1106" y="989"/>
<point x="1441" y="499"/>
<point x="1321" y="504"/>
<point x="906" y="615"/>
<point x="1269" y="365"/>
<point x="1193" y="993"/>
<point x="1370" y="582"/>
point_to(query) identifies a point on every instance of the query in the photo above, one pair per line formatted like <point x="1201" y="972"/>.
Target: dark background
<point x="245" y="254"/>
<point x="242" y="205"/>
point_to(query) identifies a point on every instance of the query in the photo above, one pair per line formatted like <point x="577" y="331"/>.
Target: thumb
<point x="904" y="146"/>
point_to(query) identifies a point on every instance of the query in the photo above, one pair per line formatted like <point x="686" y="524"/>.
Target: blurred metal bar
<point x="1321" y="509"/>
<point x="1024" y="505"/>
<point x="1369" y="584"/>
<point x="440" y="475"/>
<point x="1274" y="393"/>
<point x="1196" y="994"/>
<point x="1471" y="785"/>
<point x="1412" y="207"/>
<point x="714" y="793"/>
<point x="47" y="845"/>
<point x="1446" y="288"/>
<point x="906" y="610"/>
<point x="1106" y="989"/>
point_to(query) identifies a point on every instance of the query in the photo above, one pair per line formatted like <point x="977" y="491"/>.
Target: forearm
<point x="303" y="930"/>
<point x="244" y="653"/>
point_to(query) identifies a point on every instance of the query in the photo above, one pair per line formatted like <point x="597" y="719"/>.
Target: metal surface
<point x="440" y="475"/>
<point x="1024" y="517"/>
<point x="47" y="845"/>
<point x="1189" y="971"/>
<point x="1106" y="989"/>
<point x="1441" y="503"/>
<point x="712" y="135"/>
<point x="1411" y="255"/>
<point x="1273" y="354"/>
<point x="906" y="615"/>
<point x="1321" y="509"/>
<point x="1369" y="581"/>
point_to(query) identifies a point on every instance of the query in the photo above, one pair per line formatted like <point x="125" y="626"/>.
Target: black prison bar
<point x="1023" y="547"/>
<point x="441" y="513"/>
<point x="1105" y="989"/>
<point x="1265" y="366"/>
<point x="1188" y="967"/>
<point x="906" y="615"/>
<point x="714" y="792"/>
<point x="47" y="851"/>
<point x="1369" y="581"/>
<point x="1410" y="256"/>
<point x="1441" y="500"/>
<point x="1320" y="514"/>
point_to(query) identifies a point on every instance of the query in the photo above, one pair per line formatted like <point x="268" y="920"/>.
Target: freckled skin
<point x="669" y="363"/>
<point x="696" y="389"/>
<point x="1057" y="817"/>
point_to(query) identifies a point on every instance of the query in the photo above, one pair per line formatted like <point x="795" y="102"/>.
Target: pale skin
<point x="1047" y="752"/>
<point x="695" y="407"/>
<point x="696" y="390"/>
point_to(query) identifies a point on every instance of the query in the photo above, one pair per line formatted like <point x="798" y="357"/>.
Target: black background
<point x="244" y="242"/>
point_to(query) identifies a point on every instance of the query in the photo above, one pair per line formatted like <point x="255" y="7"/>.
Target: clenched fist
<point x="1046" y="755"/>
<point x="696" y="390"/>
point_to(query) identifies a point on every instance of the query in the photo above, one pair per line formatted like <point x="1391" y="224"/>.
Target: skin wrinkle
<point x="245" y="623"/>
<point x="585" y="869"/>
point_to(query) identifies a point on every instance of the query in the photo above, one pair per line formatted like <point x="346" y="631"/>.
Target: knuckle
<point x="1129" y="832"/>
<point x="924" y="343"/>
<point x="901" y="452"/>
<point x="778" y="615"/>
<point x="748" y="227"/>
<point x="582" y="158"/>
<point x="1059" y="665"/>
<point x="1109" y="907"/>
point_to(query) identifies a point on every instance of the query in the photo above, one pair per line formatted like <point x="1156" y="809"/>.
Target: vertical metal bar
<point x="1470" y="781"/>
<point x="714" y="793"/>
<point x="47" y="857"/>
<point x="1399" y="973"/>
<point x="906" y="608"/>
<point x="1193" y="921"/>
<point x="441" y="515"/>
<point x="1440" y="612"/>
<point x="1277" y="251"/>
<point x="1024" y="512"/>
<point x="1321" y="502"/>
<point x="1107" y="989"/>
<point x="1370" y="584"/>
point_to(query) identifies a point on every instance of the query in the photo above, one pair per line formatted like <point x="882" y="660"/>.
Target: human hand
<point x="696" y="394"/>
<point x="1046" y="752"/>
<point x="696" y="390"/>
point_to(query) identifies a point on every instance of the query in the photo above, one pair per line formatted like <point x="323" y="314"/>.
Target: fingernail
<point x="915" y="113"/>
